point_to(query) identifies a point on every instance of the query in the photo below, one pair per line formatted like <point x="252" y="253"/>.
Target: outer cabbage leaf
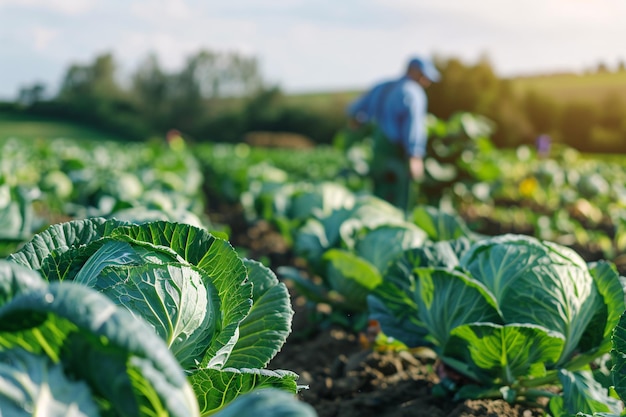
<point x="538" y="283"/>
<point x="444" y="254"/>
<point x="312" y="291"/>
<point x="268" y="401"/>
<point x="216" y="388"/>
<point x="311" y="241"/>
<point x="120" y="357"/>
<point x="317" y="235"/>
<point x="16" y="213"/>
<point x="394" y="240"/>
<point x="502" y="354"/>
<point x="369" y="212"/>
<point x="397" y="315"/>
<point x="33" y="383"/>
<point x="447" y="299"/>
<point x="351" y="278"/>
<point x="618" y="354"/>
<point x="392" y="304"/>
<point x="61" y="237"/>
<point x="265" y="329"/>
<point x="597" y="337"/>
<point x="15" y="279"/>
<point x="583" y="394"/>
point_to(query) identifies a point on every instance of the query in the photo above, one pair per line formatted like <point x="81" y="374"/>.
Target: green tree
<point x="472" y="88"/>
<point x="31" y="94"/>
<point x="92" y="94"/>
<point x="92" y="81"/>
<point x="193" y="95"/>
<point x="149" y="89"/>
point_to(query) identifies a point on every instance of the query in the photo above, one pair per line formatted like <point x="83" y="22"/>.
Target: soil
<point x="345" y="378"/>
<point x="348" y="380"/>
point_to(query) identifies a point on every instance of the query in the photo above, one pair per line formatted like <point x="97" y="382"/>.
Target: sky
<point x="308" y="45"/>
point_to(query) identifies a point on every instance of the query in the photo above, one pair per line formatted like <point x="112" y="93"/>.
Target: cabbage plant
<point x="222" y="317"/>
<point x="67" y="350"/>
<point x="513" y="316"/>
<point x="618" y="370"/>
<point x="343" y="248"/>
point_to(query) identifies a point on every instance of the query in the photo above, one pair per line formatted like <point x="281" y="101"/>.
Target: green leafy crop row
<point x="107" y="318"/>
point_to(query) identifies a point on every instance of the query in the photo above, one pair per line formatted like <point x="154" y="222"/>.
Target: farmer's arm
<point x="414" y="131"/>
<point x="359" y="110"/>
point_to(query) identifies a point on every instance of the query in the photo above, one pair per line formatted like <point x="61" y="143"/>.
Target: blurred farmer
<point x="397" y="111"/>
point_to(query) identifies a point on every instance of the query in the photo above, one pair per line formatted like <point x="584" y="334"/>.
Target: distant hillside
<point x="571" y="87"/>
<point x="562" y="87"/>
<point x="323" y="100"/>
<point x="32" y="127"/>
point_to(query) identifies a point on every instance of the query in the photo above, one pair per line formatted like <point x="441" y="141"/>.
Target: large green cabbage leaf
<point x="539" y="283"/>
<point x="126" y="365"/>
<point x="224" y="386"/>
<point x="269" y="320"/>
<point x="350" y="278"/>
<point x="268" y="401"/>
<point x="618" y="354"/>
<point x="582" y="381"/>
<point x="504" y="353"/>
<point x="447" y="299"/>
<point x="393" y="238"/>
<point x="192" y="287"/>
<point x="393" y="303"/>
<point x="30" y="382"/>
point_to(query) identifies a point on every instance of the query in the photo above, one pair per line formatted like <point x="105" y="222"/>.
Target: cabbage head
<point x="511" y="313"/>
<point x="222" y="317"/>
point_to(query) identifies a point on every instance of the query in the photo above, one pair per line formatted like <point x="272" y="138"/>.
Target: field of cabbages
<point x="184" y="279"/>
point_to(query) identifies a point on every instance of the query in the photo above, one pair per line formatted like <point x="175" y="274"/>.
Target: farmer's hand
<point x="353" y="123"/>
<point x="416" y="166"/>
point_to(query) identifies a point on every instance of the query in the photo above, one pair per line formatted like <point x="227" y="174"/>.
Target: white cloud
<point x="43" y="36"/>
<point x="161" y="11"/>
<point x="64" y="7"/>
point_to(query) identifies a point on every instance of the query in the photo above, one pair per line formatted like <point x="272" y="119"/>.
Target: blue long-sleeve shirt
<point x="398" y="108"/>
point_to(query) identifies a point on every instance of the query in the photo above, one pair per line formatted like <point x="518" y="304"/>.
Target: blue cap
<point x="426" y="67"/>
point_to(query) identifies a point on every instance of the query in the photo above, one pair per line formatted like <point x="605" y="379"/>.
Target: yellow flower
<point x="528" y="186"/>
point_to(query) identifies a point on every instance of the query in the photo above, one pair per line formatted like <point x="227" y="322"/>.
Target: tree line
<point x="220" y="96"/>
<point x="520" y="117"/>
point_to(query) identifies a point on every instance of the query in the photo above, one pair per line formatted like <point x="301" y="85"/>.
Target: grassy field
<point x="322" y="100"/>
<point x="571" y="87"/>
<point x="23" y="127"/>
<point x="561" y="87"/>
